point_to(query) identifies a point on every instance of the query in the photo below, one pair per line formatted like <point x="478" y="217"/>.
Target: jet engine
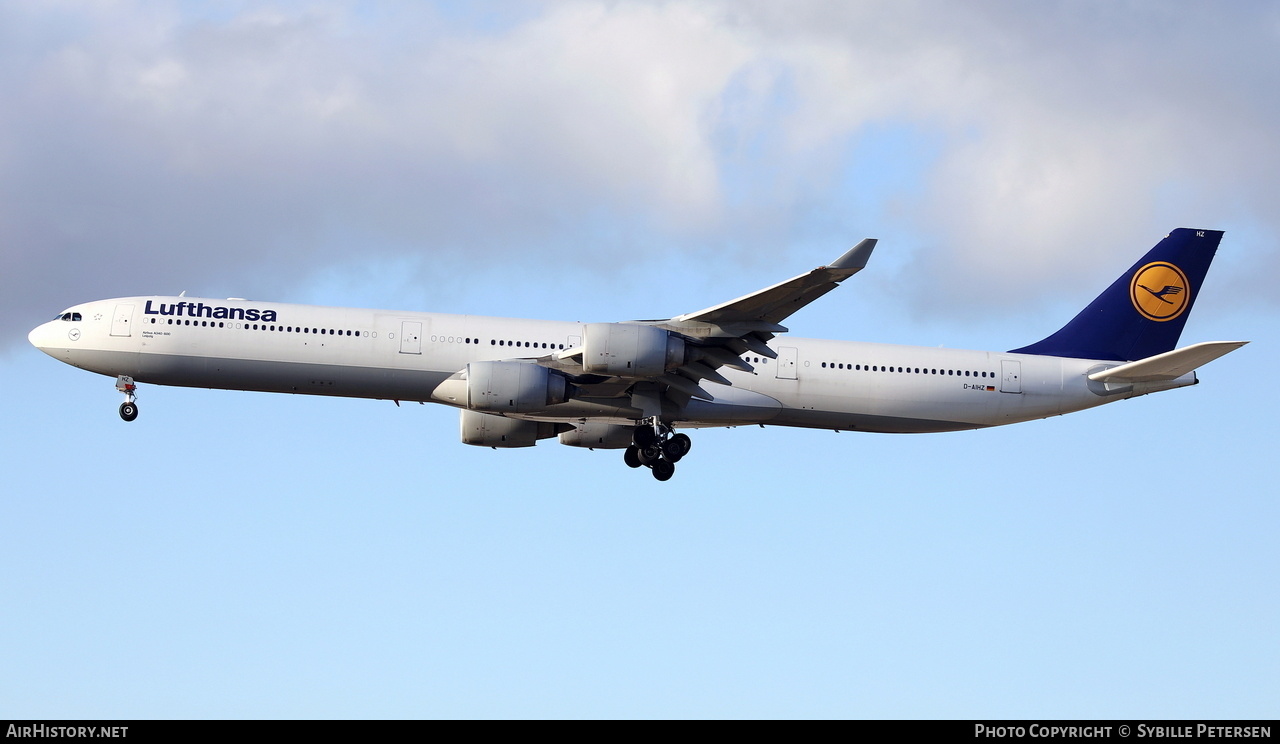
<point x="630" y="350"/>
<point x="504" y="387"/>
<point x="487" y="430"/>
<point x="598" y="436"/>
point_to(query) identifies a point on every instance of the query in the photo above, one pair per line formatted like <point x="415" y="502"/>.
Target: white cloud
<point x="1075" y="135"/>
<point x="146" y="146"/>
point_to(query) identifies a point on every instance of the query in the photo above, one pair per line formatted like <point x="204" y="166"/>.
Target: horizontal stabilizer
<point x="1169" y="365"/>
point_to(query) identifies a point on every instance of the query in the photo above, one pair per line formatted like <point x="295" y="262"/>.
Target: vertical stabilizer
<point x="1142" y="313"/>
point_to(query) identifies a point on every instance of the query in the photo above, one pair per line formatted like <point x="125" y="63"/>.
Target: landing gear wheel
<point x="644" y="436"/>
<point x="664" y="469"/>
<point x="632" y="457"/>
<point x="649" y="455"/>
<point x="677" y="447"/>
<point x="126" y="385"/>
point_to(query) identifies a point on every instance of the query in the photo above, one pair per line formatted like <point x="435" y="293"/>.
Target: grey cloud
<point x="215" y="151"/>
<point x="142" y="150"/>
<point x="1076" y="133"/>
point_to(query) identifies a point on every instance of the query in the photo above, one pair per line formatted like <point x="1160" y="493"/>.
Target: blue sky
<point x="248" y="555"/>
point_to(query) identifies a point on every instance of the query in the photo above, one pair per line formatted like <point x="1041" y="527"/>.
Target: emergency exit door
<point x="410" y="337"/>
<point x="1010" y="376"/>
<point x="121" y="320"/>
<point x="787" y="356"/>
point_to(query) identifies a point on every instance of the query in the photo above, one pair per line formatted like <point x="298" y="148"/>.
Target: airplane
<point x="631" y="385"/>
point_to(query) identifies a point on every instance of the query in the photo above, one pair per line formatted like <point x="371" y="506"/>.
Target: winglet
<point x="856" y="257"/>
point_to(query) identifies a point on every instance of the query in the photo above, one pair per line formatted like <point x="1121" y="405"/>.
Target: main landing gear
<point x="128" y="409"/>
<point x="657" y="448"/>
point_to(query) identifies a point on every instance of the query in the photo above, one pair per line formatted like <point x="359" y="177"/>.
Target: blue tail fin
<point x="1143" y="312"/>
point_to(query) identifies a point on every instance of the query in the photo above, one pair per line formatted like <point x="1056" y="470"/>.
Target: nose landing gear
<point x="128" y="409"/>
<point x="657" y="448"/>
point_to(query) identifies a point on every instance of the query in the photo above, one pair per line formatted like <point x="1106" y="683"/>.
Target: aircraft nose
<point x="39" y="337"/>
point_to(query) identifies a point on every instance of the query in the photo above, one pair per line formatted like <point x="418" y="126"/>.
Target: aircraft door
<point x="787" y="356"/>
<point x="1010" y="376"/>
<point x="410" y="337"/>
<point x="121" y="320"/>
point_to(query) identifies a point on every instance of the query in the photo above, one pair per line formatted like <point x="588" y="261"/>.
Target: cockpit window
<point x="70" y="316"/>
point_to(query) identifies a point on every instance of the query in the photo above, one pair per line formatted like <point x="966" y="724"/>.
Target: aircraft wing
<point x="774" y="304"/>
<point x="717" y="336"/>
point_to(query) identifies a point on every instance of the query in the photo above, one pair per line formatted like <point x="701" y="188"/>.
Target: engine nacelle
<point x="514" y="387"/>
<point x="630" y="350"/>
<point x="599" y="436"/>
<point x="487" y="430"/>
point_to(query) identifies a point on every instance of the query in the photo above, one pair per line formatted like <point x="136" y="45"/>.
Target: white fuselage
<point x="274" y="347"/>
